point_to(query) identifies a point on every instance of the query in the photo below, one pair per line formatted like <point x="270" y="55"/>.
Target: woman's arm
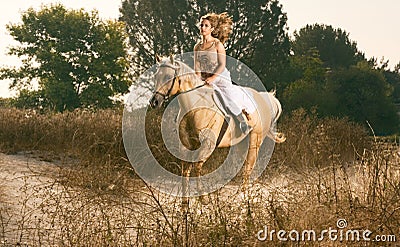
<point x="221" y="63"/>
<point x="221" y="59"/>
<point x="196" y="63"/>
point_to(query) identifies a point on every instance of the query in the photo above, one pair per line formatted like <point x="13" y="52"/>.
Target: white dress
<point x="208" y="61"/>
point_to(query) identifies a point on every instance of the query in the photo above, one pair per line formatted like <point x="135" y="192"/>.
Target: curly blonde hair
<point x="222" y="24"/>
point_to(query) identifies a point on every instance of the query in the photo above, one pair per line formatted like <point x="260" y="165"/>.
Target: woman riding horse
<point x="210" y="61"/>
<point x="202" y="125"/>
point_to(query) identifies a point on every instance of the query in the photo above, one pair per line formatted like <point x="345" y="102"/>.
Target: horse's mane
<point x="189" y="74"/>
<point x="185" y="72"/>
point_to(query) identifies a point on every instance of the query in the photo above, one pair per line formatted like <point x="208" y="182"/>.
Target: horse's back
<point x="261" y="120"/>
<point x="263" y="114"/>
<point x="205" y="110"/>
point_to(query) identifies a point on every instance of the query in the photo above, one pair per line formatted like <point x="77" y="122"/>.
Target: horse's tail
<point x="277" y="137"/>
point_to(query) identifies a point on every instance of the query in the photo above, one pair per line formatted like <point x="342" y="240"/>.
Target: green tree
<point x="31" y="100"/>
<point x="328" y="74"/>
<point x="77" y="59"/>
<point x="333" y="45"/>
<point x="307" y="90"/>
<point x="259" y="37"/>
<point x="363" y="94"/>
<point x="266" y="45"/>
<point x="393" y="78"/>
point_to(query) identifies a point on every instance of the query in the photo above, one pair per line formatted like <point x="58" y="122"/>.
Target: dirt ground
<point x="22" y="176"/>
<point x="29" y="191"/>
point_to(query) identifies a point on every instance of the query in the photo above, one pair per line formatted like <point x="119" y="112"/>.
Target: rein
<point x="192" y="89"/>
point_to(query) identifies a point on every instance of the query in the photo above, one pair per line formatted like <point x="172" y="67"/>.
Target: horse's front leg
<point x="203" y="196"/>
<point x="198" y="167"/>
<point x="186" y="168"/>
<point x="254" y="146"/>
<point x="208" y="140"/>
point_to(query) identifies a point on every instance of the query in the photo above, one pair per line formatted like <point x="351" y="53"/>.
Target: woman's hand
<point x="210" y="80"/>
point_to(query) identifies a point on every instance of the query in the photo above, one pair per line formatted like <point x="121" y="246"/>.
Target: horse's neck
<point x="189" y="83"/>
<point x="194" y="98"/>
<point x="189" y="79"/>
<point x="187" y="96"/>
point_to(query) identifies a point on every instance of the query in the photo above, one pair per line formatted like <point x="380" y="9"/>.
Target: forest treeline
<point x="78" y="60"/>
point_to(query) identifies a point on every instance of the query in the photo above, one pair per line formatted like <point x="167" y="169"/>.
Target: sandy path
<point x="21" y="178"/>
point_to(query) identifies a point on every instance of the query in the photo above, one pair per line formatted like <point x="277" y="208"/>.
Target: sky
<point x="373" y="25"/>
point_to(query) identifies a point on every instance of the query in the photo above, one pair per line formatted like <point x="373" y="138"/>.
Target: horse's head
<point x="166" y="81"/>
<point x="172" y="77"/>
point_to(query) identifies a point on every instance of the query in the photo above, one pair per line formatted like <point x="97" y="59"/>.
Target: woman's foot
<point x="244" y="127"/>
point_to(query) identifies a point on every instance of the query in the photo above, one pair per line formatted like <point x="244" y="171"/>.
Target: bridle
<point x="167" y="95"/>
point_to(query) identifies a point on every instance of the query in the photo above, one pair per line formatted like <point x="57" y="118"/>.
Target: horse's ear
<point x="171" y="57"/>
<point x="158" y="58"/>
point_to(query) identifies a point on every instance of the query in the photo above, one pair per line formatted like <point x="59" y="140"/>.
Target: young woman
<point x="210" y="61"/>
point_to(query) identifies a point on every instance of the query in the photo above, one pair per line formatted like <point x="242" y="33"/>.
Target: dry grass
<point x="328" y="169"/>
<point x="76" y="133"/>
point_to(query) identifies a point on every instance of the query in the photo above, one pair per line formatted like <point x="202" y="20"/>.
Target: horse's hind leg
<point x="254" y="146"/>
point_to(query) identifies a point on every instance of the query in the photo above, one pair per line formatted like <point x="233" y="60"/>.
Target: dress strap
<point x="213" y="44"/>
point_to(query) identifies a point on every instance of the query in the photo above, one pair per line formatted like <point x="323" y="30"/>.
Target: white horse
<point x="175" y="77"/>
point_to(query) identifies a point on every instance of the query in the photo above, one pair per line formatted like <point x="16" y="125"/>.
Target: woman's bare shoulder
<point x="218" y="44"/>
<point x="217" y="41"/>
<point x="197" y="46"/>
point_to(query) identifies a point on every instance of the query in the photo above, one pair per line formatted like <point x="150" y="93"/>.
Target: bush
<point x="312" y="141"/>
